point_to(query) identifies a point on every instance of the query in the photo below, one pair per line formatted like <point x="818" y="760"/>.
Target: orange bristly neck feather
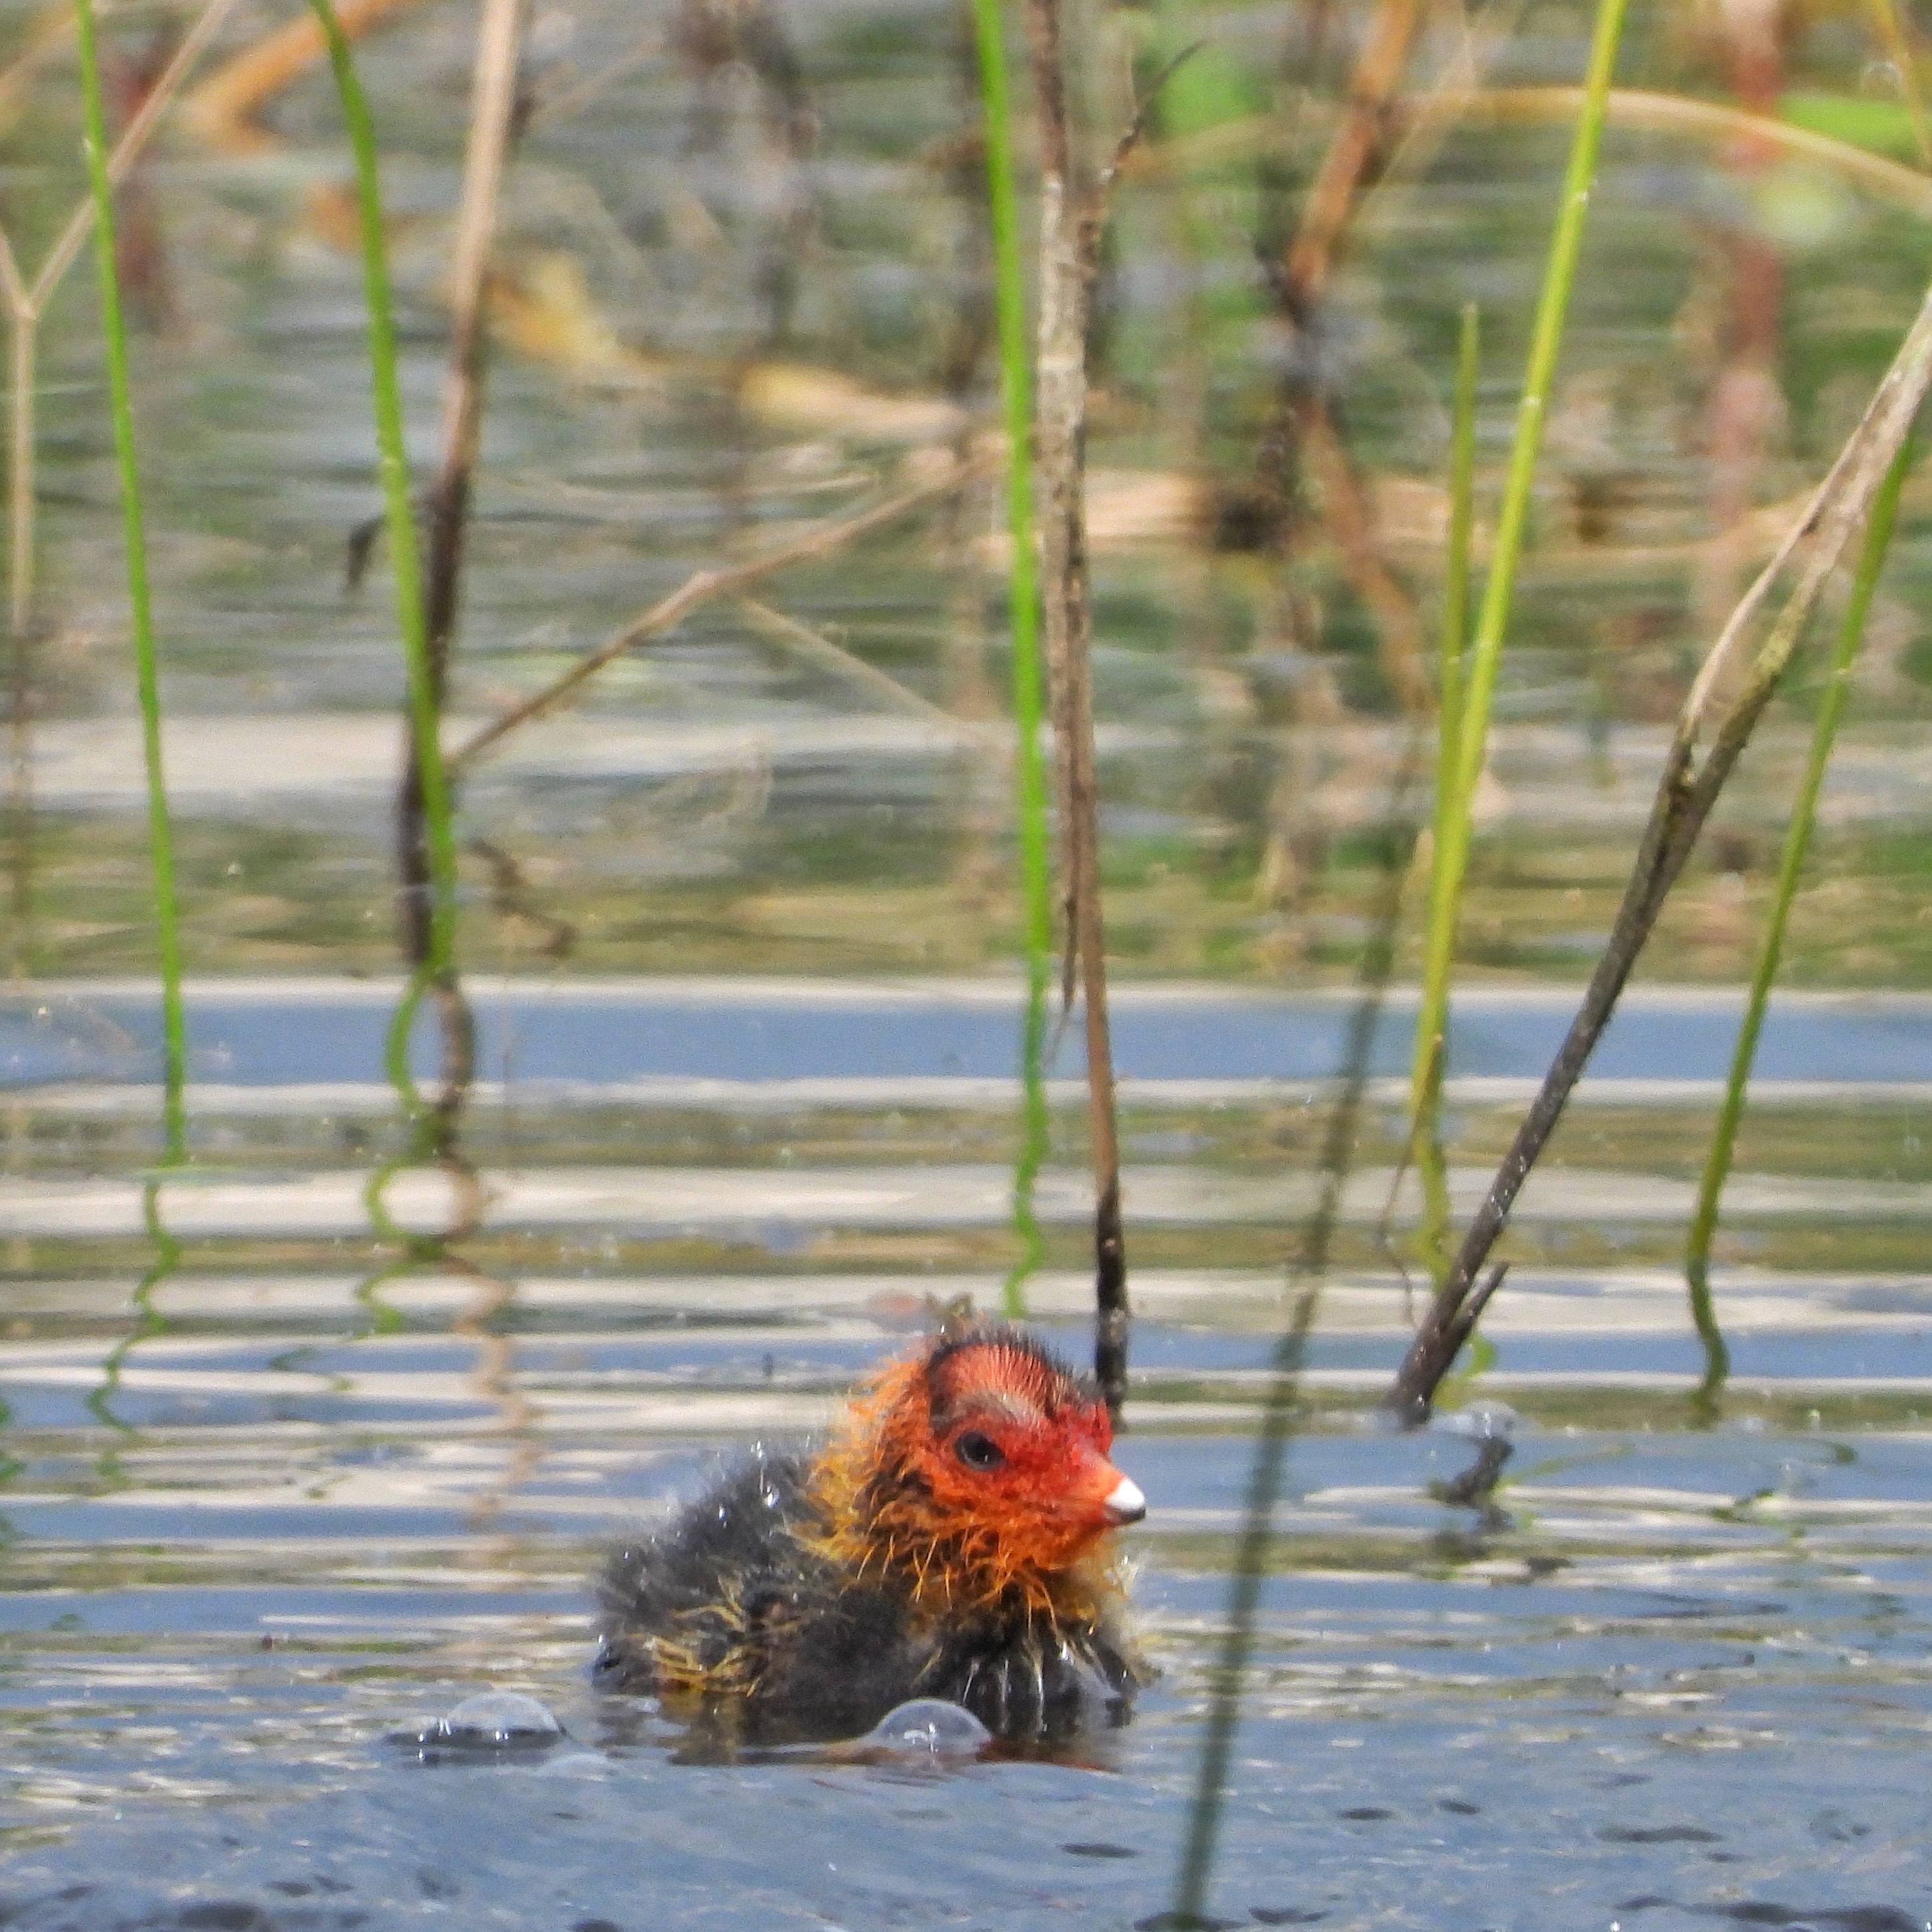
<point x="879" y="1520"/>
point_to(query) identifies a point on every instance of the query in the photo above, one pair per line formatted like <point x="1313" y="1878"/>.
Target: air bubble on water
<point x="928" y="1727"/>
<point x="1486" y="1421"/>
<point x="1883" y="79"/>
<point x="494" y="1720"/>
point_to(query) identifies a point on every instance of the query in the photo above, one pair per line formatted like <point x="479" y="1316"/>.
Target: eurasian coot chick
<point x="951" y="1540"/>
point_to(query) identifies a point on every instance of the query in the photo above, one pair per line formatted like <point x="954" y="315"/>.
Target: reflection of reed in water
<point x="1279" y="1409"/>
<point x="147" y="1321"/>
<point x="494" y="1377"/>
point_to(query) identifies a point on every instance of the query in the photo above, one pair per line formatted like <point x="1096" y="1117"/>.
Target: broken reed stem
<point x="822" y="541"/>
<point x="1069" y="232"/>
<point x="1797" y="841"/>
<point x="439" y="958"/>
<point x="492" y="103"/>
<point x="1451" y="854"/>
<point x="1840" y="507"/>
<point x="1023" y="596"/>
<point x="140" y="611"/>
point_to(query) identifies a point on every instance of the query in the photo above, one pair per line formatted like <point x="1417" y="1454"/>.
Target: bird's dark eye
<point x="979" y="1452"/>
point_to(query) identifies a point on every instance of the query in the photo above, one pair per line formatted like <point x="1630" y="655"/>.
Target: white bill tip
<point x="1126" y="1504"/>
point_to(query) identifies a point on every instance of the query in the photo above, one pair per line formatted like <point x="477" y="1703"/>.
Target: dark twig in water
<point x="1475" y="1486"/>
<point x="822" y="541"/>
<point x="1719" y="726"/>
<point x="1279" y="1410"/>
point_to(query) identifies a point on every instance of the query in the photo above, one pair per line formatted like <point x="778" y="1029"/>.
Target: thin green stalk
<point x="1452" y="841"/>
<point x="1432" y="1018"/>
<point x="1797" y="841"/>
<point x="1036" y="881"/>
<point x="405" y="564"/>
<point x="161" y="842"/>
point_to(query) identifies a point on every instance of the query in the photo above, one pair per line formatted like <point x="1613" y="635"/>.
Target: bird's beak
<point x="1125" y="1503"/>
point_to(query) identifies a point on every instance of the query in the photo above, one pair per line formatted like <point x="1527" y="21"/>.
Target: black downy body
<point x="809" y="1651"/>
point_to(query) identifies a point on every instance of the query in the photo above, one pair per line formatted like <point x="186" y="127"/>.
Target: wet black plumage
<point x="950" y="1541"/>
<point x="730" y="1588"/>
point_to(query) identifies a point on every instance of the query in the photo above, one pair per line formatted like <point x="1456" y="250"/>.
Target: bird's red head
<point x="976" y="1469"/>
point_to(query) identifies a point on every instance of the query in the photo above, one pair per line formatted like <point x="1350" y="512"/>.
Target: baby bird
<point x="951" y="1540"/>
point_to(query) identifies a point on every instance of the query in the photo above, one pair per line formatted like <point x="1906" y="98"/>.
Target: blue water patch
<point x="256" y="1036"/>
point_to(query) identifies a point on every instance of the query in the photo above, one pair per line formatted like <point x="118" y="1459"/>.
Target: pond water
<point x="280" y="1487"/>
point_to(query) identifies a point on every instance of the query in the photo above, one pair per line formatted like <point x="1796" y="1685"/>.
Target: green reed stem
<point x="1797" y="841"/>
<point x="406" y="565"/>
<point x="1478" y="686"/>
<point x="1036" y="878"/>
<point x="1432" y="1018"/>
<point x="160" y="842"/>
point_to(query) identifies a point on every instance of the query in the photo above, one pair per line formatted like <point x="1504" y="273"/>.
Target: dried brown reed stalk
<point x="1073" y="213"/>
<point x="823" y="540"/>
<point x="1645" y="111"/>
<point x="1743" y="404"/>
<point x="1350" y="160"/>
<point x="815" y="648"/>
<point x="1304" y="438"/>
<point x="492" y="107"/>
<point x="223" y="111"/>
<point x="1730" y="694"/>
<point x="1070" y="219"/>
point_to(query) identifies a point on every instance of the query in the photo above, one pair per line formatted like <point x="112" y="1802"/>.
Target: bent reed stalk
<point x="167" y="921"/>
<point x="1023" y="604"/>
<point x="439" y="951"/>
<point x="1713" y="728"/>
<point x="1791" y="865"/>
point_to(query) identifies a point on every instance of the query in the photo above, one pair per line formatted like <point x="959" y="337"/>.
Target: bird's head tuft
<point x="980" y="1466"/>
